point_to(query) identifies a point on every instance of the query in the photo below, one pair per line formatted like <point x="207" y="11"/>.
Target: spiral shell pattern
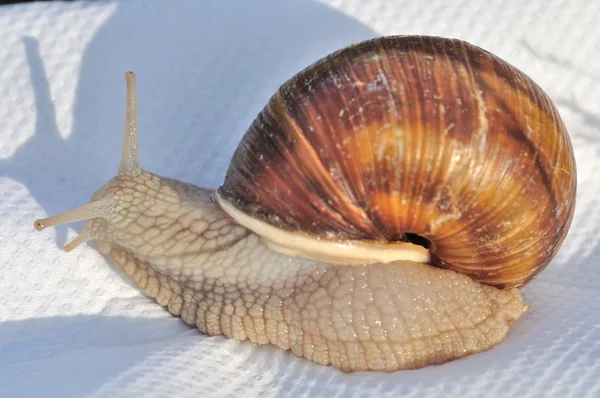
<point x="414" y="135"/>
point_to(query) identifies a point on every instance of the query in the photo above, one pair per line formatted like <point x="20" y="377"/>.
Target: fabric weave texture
<point x="72" y="326"/>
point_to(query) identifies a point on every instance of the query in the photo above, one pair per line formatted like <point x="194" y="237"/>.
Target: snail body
<point x="381" y="212"/>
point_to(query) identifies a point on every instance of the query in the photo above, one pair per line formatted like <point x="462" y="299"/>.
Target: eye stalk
<point x="130" y="159"/>
<point x="103" y="207"/>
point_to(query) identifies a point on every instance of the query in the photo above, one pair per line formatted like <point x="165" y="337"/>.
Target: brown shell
<point x="420" y="135"/>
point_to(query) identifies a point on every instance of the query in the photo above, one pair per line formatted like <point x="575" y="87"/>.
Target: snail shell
<point x="403" y="136"/>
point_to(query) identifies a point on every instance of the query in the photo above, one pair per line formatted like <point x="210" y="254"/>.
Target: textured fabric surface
<point x="70" y="325"/>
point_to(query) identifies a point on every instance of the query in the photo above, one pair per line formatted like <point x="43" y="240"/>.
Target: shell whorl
<point x="420" y="135"/>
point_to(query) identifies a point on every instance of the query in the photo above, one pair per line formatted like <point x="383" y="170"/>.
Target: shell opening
<point x="418" y="240"/>
<point x="342" y="252"/>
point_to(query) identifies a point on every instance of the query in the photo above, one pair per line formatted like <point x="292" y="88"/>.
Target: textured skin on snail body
<point x="387" y="138"/>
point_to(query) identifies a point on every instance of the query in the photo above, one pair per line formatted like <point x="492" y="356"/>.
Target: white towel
<point x="71" y="326"/>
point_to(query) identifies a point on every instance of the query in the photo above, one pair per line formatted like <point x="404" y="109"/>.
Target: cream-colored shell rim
<point x="343" y="252"/>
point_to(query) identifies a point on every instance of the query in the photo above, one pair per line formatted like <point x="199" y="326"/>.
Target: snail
<point x="382" y="212"/>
